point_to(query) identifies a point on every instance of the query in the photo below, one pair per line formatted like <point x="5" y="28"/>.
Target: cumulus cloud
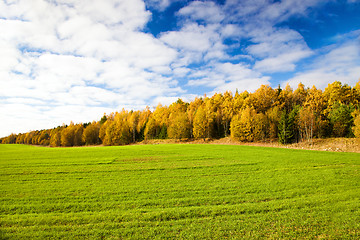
<point x="76" y="56"/>
<point x="204" y="11"/>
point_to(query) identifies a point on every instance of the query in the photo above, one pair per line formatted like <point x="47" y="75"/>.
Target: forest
<point x="268" y="114"/>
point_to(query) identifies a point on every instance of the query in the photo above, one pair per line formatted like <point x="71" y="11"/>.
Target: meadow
<point x="178" y="191"/>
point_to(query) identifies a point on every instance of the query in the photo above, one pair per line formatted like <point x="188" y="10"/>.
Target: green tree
<point x="288" y="128"/>
<point x="341" y="120"/>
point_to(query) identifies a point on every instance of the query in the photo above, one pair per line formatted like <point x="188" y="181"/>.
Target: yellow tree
<point x="228" y="111"/>
<point x="191" y="111"/>
<point x="72" y="135"/>
<point x="307" y="120"/>
<point x="78" y="133"/>
<point x="29" y="137"/>
<point x="179" y="126"/>
<point x="263" y="98"/>
<point x="11" y="139"/>
<point x="210" y="113"/>
<point x="134" y="118"/>
<point x="55" y="137"/>
<point x="200" y="123"/>
<point x="91" y="134"/>
<point x="242" y="125"/>
<point x="356" y="94"/>
<point x="356" y="127"/>
<point x="273" y="115"/>
<point x="178" y="106"/>
<point x="286" y="99"/>
<point x="217" y="101"/>
<point x="151" y="129"/>
<point x="20" y="138"/>
<point x="260" y="127"/>
<point x="161" y="115"/>
<point x="118" y="132"/>
<point x="102" y="131"/>
<point x="44" y="138"/>
<point x="143" y="119"/>
<point x="300" y="94"/>
<point x="240" y="100"/>
<point x="316" y="103"/>
<point x="336" y="92"/>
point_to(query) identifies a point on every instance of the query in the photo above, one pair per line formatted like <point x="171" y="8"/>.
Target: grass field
<point x="184" y="191"/>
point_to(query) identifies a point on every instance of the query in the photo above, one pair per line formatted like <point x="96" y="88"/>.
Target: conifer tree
<point x="341" y="119"/>
<point x="288" y="128"/>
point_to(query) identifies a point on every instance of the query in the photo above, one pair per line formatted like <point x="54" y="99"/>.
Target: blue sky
<point x="63" y="60"/>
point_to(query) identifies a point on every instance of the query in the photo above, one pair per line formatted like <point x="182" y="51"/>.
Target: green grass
<point x="178" y="191"/>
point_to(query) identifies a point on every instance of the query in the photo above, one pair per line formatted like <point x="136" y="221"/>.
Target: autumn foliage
<point x="268" y="114"/>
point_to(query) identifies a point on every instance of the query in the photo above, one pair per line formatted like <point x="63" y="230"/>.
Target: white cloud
<point x="205" y="11"/>
<point x="281" y="63"/>
<point x="270" y="12"/>
<point x="277" y="50"/>
<point x="160" y="5"/>
<point x="79" y="57"/>
<point x="339" y="63"/>
<point x="269" y="41"/>
<point x="130" y="14"/>
<point x="227" y="76"/>
<point x="192" y="37"/>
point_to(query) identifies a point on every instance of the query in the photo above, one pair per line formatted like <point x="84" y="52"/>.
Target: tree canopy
<point x="268" y="114"/>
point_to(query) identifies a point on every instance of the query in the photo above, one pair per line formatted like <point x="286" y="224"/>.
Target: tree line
<point x="268" y="114"/>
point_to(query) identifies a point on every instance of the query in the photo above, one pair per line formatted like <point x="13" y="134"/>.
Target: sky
<point x="74" y="60"/>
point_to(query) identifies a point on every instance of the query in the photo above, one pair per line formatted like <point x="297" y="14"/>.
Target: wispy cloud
<point x="338" y="62"/>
